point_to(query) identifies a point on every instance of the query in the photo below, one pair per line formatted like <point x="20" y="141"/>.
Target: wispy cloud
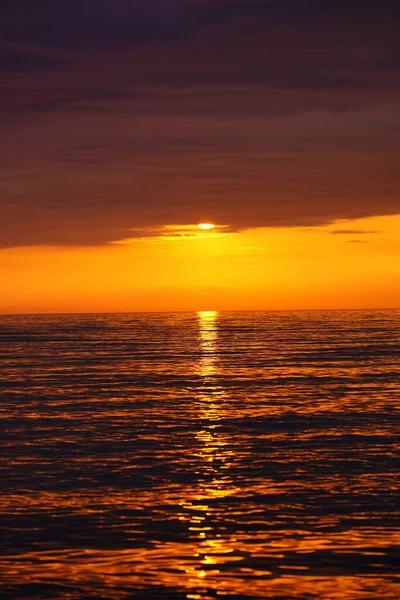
<point x="353" y="232"/>
<point x="175" y="232"/>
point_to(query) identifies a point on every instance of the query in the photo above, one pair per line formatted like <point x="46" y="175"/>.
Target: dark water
<point x="201" y="456"/>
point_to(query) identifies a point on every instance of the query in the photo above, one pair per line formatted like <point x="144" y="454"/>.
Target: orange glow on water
<point x="223" y="524"/>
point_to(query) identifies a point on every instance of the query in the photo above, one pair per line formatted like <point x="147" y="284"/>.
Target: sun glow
<point x="348" y="264"/>
<point x="206" y="225"/>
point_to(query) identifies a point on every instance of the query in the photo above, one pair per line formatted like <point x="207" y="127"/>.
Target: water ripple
<point x="208" y="455"/>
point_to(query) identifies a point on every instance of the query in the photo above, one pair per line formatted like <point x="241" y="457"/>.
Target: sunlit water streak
<point x="208" y="455"/>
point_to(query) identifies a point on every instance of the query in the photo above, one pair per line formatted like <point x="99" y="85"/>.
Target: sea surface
<point x="200" y="456"/>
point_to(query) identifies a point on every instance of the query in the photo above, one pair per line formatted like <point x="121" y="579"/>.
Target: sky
<point x="124" y="123"/>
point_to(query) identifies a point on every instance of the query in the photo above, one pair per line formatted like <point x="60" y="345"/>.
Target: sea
<point x="200" y="456"/>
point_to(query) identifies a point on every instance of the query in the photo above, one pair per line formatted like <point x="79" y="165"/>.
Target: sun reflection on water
<point x="210" y="546"/>
<point x="208" y="323"/>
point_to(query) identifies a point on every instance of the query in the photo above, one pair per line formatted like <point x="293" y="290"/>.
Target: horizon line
<point x="193" y="311"/>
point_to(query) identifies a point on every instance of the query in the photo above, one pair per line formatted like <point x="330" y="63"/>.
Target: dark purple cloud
<point x="117" y="116"/>
<point x="87" y="23"/>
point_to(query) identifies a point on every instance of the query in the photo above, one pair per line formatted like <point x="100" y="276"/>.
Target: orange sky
<point x="123" y="124"/>
<point x="350" y="264"/>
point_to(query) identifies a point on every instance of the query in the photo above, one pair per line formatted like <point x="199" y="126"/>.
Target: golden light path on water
<point x="211" y="549"/>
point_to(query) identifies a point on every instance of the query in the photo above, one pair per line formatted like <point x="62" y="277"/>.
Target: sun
<point x="206" y="225"/>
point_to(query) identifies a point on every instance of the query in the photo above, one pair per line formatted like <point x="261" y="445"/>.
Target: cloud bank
<point x="124" y="116"/>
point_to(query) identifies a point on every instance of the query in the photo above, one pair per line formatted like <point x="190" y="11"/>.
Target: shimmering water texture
<point x="201" y="456"/>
